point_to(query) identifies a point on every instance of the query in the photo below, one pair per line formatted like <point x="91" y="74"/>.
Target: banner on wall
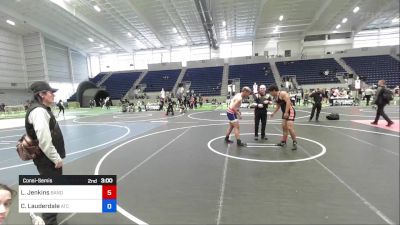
<point x="357" y="84"/>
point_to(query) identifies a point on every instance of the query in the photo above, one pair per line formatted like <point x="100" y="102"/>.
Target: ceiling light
<point x="355" y="10"/>
<point x="139" y="44"/>
<point x="224" y="23"/>
<point x="10" y="22"/>
<point x="338" y="26"/>
<point x="182" y="41"/>
<point x="395" y="20"/>
<point x="108" y="49"/>
<point x="129" y="34"/>
<point x="90" y="39"/>
<point x="97" y="8"/>
<point x="344" y="20"/>
<point x="174" y="30"/>
<point x="101" y="46"/>
<point x="281" y="18"/>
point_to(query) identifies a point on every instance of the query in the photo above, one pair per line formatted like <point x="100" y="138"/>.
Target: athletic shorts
<point x="292" y="114"/>
<point x="231" y="117"/>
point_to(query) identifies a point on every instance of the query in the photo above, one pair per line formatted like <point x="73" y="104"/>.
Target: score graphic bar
<point x="67" y="194"/>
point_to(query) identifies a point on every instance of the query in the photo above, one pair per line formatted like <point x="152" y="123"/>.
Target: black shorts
<point x="292" y="114"/>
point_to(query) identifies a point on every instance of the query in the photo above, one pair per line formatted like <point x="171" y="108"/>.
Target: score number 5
<point x="109" y="191"/>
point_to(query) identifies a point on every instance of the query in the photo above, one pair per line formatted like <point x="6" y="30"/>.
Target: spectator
<point x="60" y="105"/>
<point x="41" y="125"/>
<point x="381" y="103"/>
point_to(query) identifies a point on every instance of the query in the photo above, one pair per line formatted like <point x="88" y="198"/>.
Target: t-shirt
<point x="317" y="97"/>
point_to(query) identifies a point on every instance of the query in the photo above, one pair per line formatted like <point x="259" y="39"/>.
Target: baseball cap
<point x="40" y="86"/>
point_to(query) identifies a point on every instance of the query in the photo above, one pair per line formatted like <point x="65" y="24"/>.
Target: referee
<point x="260" y="111"/>
<point x="316" y="98"/>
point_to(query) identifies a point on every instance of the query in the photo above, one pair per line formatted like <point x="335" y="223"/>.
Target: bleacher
<point x="72" y="98"/>
<point x="97" y="78"/>
<point x="260" y="73"/>
<point x="205" y="81"/>
<point x="375" y="68"/>
<point x="156" y="80"/>
<point x="118" y="84"/>
<point x="311" y="71"/>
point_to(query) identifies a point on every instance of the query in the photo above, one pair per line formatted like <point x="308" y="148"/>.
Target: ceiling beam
<point x="378" y="13"/>
<point x="259" y="14"/>
<point x="207" y="21"/>
<point x="50" y="33"/>
<point x="147" y="23"/>
<point x="322" y="9"/>
<point x="281" y="26"/>
<point x="181" y="22"/>
<point x="288" y="21"/>
<point x="186" y="35"/>
<point x="96" y="28"/>
<point x="280" y="32"/>
<point x="119" y="18"/>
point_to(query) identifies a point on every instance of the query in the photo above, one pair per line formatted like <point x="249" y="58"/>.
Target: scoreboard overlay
<point x="67" y="194"/>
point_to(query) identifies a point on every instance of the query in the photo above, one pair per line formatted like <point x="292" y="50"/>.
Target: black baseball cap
<point x="41" y="86"/>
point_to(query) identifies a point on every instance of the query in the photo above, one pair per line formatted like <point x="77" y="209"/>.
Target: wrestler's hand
<point x="286" y="115"/>
<point x="260" y="106"/>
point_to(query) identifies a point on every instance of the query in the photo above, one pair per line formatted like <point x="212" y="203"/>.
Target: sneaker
<point x="390" y="124"/>
<point x="264" y="138"/>
<point x="240" y="143"/>
<point x="294" y="146"/>
<point x="282" y="144"/>
<point x="374" y="123"/>
<point x="228" y="141"/>
<point x="317" y="120"/>
<point x="256" y="138"/>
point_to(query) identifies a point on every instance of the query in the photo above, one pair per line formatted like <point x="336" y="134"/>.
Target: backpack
<point x="27" y="148"/>
<point x="333" y="116"/>
<point x="387" y="95"/>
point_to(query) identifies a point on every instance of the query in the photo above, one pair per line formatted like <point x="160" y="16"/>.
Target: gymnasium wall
<point x="246" y="60"/>
<point x="57" y="62"/>
<point x="165" y="66"/>
<point x="79" y="67"/>
<point x="36" y="68"/>
<point x="12" y="71"/>
<point x="205" y="63"/>
<point x="299" y="47"/>
<point x="14" y="96"/>
<point x="66" y="68"/>
<point x="32" y="57"/>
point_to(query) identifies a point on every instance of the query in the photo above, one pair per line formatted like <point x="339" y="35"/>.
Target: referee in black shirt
<point x="316" y="98"/>
<point x="260" y="111"/>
